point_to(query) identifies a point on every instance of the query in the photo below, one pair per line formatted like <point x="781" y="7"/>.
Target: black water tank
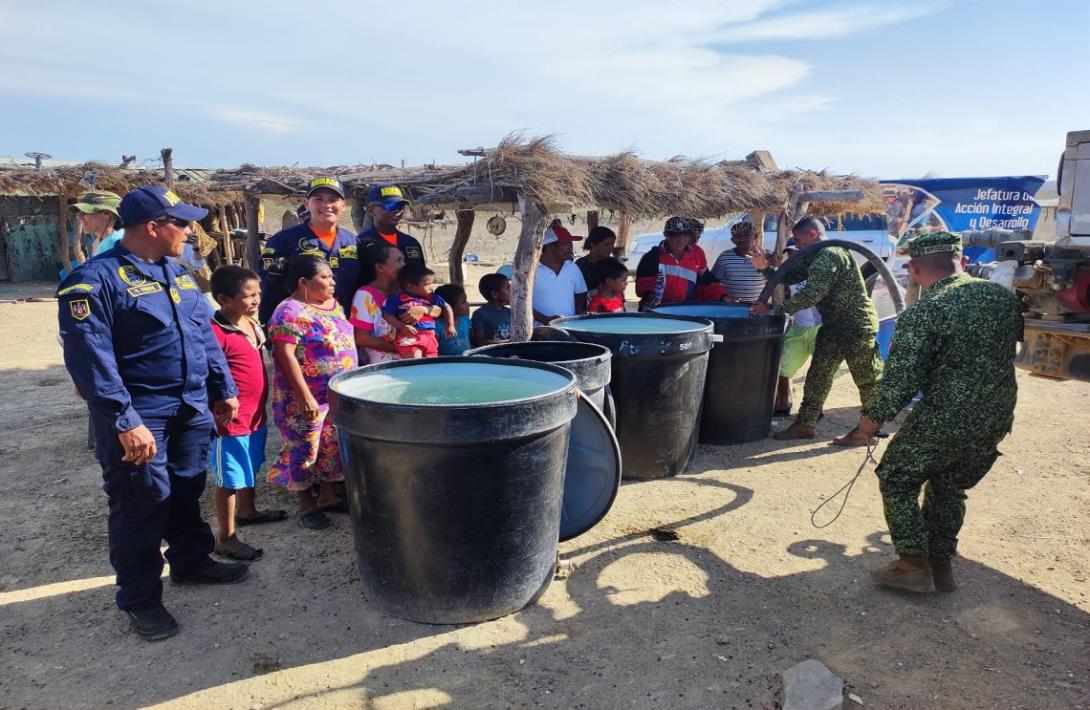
<point x="455" y="472"/>
<point x="658" y="368"/>
<point x="740" y="389"/>
<point x="588" y="362"/>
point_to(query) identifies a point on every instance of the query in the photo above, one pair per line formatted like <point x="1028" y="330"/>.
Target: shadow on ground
<point x="640" y="623"/>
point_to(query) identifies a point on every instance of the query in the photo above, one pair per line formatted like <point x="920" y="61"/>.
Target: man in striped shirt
<point x="733" y="268"/>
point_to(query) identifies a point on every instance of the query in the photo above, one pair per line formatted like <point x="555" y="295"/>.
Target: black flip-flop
<point x="267" y="516"/>
<point x="243" y="554"/>
<point x="315" y="520"/>
<point x="339" y="508"/>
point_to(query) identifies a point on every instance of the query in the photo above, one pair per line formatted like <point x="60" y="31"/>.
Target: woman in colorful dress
<point x="379" y="264"/>
<point x="312" y="342"/>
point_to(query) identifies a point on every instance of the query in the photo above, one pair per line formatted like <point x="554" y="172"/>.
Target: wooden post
<point x="457" y="249"/>
<point x="66" y="251"/>
<point x="360" y="215"/>
<point x="232" y="218"/>
<point x="228" y="247"/>
<point x="252" y="257"/>
<point x="622" y="234"/>
<point x="592" y="220"/>
<point x="168" y="166"/>
<point x="525" y="266"/>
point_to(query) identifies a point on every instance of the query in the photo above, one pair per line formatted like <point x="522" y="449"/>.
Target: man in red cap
<point x="559" y="287"/>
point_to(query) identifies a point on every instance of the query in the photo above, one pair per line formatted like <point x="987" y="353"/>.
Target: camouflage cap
<point x="683" y="225"/>
<point x="98" y="201"/>
<point x="934" y="243"/>
<point x="741" y="229"/>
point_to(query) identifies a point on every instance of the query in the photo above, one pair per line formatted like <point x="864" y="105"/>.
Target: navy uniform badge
<point x="130" y="275"/>
<point x="80" y="308"/>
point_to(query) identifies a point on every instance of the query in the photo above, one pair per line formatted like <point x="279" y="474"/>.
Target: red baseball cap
<point x="556" y="233"/>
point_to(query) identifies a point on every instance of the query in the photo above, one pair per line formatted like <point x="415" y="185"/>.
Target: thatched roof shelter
<point x="537" y="170"/>
<point x="68" y="182"/>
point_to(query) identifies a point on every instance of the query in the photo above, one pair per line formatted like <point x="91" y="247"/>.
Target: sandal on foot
<point x="266" y="516"/>
<point x="315" y="520"/>
<point x="339" y="507"/>
<point x="243" y="553"/>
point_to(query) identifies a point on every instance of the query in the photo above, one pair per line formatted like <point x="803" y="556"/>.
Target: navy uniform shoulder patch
<point x="77" y="288"/>
<point x="79" y="308"/>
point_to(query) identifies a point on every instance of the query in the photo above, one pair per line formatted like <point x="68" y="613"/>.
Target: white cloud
<point x="824" y="24"/>
<point x="262" y="121"/>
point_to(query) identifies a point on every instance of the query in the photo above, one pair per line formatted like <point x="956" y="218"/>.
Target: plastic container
<point x="740" y="389"/>
<point x="593" y="471"/>
<point x="657" y="378"/>
<point x="588" y="362"/>
<point x="455" y="473"/>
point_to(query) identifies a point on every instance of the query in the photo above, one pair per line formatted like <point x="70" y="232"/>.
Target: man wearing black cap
<point x="138" y="344"/>
<point x="320" y="236"/>
<point x="386" y="204"/>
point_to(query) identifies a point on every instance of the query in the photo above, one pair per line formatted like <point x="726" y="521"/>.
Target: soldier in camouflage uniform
<point x="848" y="325"/>
<point x="957" y="346"/>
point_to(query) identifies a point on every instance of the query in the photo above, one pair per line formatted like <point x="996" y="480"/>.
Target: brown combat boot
<point x="913" y="574"/>
<point x="855" y="438"/>
<point x="943" y="573"/>
<point x="796" y="431"/>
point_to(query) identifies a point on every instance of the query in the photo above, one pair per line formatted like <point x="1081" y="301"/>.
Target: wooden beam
<point x="457" y="249"/>
<point x="228" y="247"/>
<point x="360" y="216"/>
<point x="168" y="166"/>
<point x="832" y="196"/>
<point x="623" y="228"/>
<point x="253" y="239"/>
<point x="525" y="266"/>
<point x="67" y="251"/>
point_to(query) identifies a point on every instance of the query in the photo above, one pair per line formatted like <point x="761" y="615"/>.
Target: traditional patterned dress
<point x="324" y="347"/>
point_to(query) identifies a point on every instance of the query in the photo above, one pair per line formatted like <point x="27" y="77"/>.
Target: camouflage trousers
<point x="945" y="469"/>
<point x="832" y="348"/>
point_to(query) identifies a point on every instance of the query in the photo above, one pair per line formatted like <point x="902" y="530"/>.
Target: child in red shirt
<point x="612" y="278"/>
<point x="239" y="449"/>
<point x="417" y="284"/>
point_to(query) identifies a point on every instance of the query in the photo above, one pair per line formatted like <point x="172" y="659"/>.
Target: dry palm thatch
<point x="537" y="170"/>
<point x="68" y="182"/>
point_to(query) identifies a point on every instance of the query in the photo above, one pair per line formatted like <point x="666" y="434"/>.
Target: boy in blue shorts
<point x="239" y="450"/>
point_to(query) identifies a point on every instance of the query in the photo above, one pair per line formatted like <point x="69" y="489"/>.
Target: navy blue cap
<point x="147" y="203"/>
<point x="325" y="183"/>
<point x="389" y="196"/>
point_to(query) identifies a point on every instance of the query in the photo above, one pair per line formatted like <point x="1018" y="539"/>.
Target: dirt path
<point x="748" y="589"/>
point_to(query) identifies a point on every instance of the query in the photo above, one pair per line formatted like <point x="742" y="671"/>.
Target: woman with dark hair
<point x="598" y="245"/>
<point x="312" y="342"/>
<point x="380" y="263"/>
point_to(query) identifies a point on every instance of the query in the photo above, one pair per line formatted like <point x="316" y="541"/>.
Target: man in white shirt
<point x="559" y="287"/>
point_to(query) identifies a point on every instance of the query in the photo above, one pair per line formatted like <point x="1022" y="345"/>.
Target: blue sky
<point x="885" y="89"/>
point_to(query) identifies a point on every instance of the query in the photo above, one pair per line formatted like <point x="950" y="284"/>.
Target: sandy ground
<point x="708" y="620"/>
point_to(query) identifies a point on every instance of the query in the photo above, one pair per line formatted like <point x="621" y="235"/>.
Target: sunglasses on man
<point x="179" y="223"/>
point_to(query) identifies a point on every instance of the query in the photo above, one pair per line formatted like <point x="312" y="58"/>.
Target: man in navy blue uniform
<point x="319" y="236"/>
<point x="139" y="347"/>
<point x="386" y="204"/>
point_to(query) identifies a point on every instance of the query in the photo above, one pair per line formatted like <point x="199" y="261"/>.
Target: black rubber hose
<point x="801" y="261"/>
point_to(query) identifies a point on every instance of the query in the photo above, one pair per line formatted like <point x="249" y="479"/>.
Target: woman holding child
<point x="312" y="342"/>
<point x="379" y="265"/>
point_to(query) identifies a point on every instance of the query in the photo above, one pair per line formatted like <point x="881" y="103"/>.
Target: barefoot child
<point x="239" y="450"/>
<point x="417" y="283"/>
<point x="491" y="323"/>
<point x="455" y="296"/>
<point x="612" y="278"/>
